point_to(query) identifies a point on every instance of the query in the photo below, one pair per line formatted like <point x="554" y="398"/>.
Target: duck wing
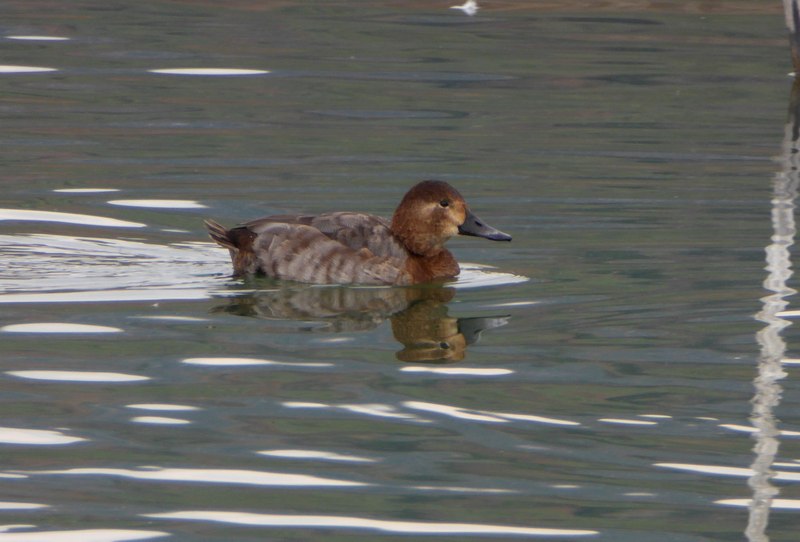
<point x="336" y="248"/>
<point x="305" y="254"/>
<point x="353" y="230"/>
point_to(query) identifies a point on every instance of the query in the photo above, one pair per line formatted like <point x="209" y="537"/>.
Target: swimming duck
<point x="358" y="248"/>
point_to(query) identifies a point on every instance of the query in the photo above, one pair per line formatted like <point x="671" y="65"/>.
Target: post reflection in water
<point x="767" y="385"/>
<point x="419" y="316"/>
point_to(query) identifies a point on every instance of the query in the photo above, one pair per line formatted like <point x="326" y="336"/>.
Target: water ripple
<point x="316" y="455"/>
<point x="458" y="371"/>
<point x="477" y="276"/>
<point x="83" y="535"/>
<point x="163" y="407"/>
<point x="345" y="522"/>
<point x="37" y="38"/>
<point x="376" y="410"/>
<point x="483" y="415"/>
<point x="621" y="421"/>
<point x="58" y="327"/>
<point x="37" y="437"/>
<point x="66" y="218"/>
<point x="243" y="362"/>
<point x="210" y="476"/>
<point x="158" y="203"/>
<point x="77" y="376"/>
<point x="58" y="268"/>
<point x="25" y="69"/>
<point x="781" y="504"/>
<point x="22" y="506"/>
<point x="208" y="71"/>
<point x="159" y="420"/>
<point x="85" y="190"/>
<point x="717" y="470"/>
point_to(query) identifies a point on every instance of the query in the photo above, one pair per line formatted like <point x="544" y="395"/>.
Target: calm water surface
<point x="623" y="371"/>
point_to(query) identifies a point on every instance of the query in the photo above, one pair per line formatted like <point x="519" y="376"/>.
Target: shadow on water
<point x="419" y="316"/>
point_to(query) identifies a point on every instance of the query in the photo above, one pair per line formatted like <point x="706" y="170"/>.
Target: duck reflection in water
<point x="419" y="316"/>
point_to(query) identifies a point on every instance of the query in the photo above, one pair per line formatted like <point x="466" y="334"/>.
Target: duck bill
<point x="477" y="227"/>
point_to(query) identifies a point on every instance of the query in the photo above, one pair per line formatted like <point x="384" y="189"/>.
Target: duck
<point x="345" y="247"/>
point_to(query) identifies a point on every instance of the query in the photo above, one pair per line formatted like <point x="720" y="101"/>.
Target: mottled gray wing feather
<point x="295" y="251"/>
<point x="354" y="230"/>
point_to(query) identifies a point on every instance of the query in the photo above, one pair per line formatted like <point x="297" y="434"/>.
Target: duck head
<point x="431" y="213"/>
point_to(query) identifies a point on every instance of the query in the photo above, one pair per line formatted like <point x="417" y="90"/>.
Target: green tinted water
<point x="597" y="379"/>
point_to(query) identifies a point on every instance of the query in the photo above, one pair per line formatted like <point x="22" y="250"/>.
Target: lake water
<point x="622" y="371"/>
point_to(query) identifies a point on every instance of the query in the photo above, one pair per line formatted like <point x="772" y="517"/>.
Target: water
<point x="616" y="373"/>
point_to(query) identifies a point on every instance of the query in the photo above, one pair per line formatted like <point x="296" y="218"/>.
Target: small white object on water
<point x="470" y="7"/>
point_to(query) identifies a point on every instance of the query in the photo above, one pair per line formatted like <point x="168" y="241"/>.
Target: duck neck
<point x="418" y="243"/>
<point x="427" y="268"/>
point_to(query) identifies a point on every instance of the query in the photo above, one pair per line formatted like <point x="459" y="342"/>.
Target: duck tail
<point x="219" y="235"/>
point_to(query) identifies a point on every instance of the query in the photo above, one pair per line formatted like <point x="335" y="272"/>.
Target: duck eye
<point x="444" y="203"/>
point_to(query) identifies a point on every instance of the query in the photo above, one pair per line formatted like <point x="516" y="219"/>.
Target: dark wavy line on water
<point x="660" y="156"/>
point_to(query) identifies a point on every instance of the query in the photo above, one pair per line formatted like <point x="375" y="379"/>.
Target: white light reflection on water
<point x="209" y="476"/>
<point x="767" y="386"/>
<point x="457" y="371"/>
<point x="58" y="327"/>
<point x="345" y="522"/>
<point x="483" y="415"/>
<point x="389" y="411"/>
<point x="163" y="407"/>
<point x="158" y="203"/>
<point x="782" y="504"/>
<point x="22" y="506"/>
<point x="454" y="412"/>
<point x="317" y="455"/>
<point x="477" y="276"/>
<point x="457" y="489"/>
<point x="44" y="268"/>
<point x="244" y="362"/>
<point x="515" y="304"/>
<point x="62" y="269"/>
<point x="377" y="410"/>
<point x="66" y="218"/>
<point x="4" y="68"/>
<point x="750" y="429"/>
<point x="621" y="421"/>
<point x="716" y="470"/>
<point x="159" y="420"/>
<point x="77" y="376"/>
<point x="107" y="295"/>
<point x="38" y="38"/>
<point x="36" y="437"/>
<point x="208" y="71"/>
<point x="85" y="190"/>
<point x="84" y="535"/>
<point x="168" y="318"/>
